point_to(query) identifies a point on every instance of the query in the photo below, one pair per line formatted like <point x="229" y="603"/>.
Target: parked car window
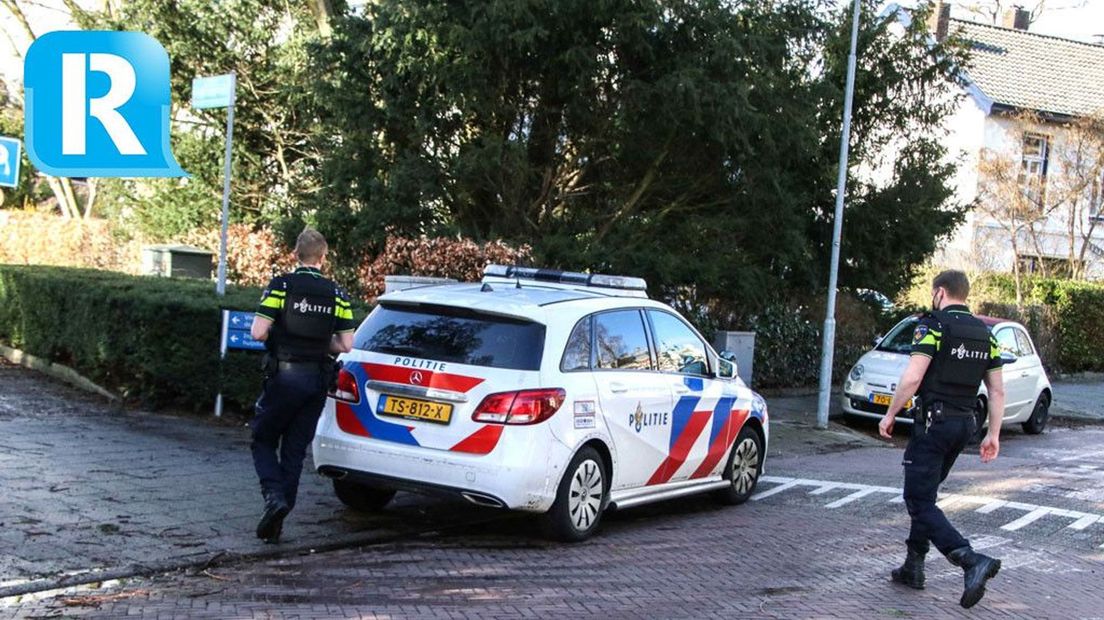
<point x="450" y="334"/>
<point x="621" y="341"/>
<point x="1006" y="340"/>
<point x="678" y="347"/>
<point x="577" y="352"/>
<point x="899" y="339"/>
<point x="1025" y="343"/>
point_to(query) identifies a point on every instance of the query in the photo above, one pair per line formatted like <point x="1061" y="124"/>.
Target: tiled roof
<point x="1025" y="70"/>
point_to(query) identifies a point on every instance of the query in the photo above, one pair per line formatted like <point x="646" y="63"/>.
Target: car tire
<point x="361" y="497"/>
<point x="981" y="418"/>
<point x="744" y="466"/>
<point x="1039" y="416"/>
<point x="580" y="499"/>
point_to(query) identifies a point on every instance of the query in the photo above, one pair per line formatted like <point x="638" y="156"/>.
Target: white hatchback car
<point x="871" y="383"/>
<point x="540" y="391"/>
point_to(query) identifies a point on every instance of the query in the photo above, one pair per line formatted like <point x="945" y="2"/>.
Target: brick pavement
<point x="90" y="490"/>
<point x="677" y="560"/>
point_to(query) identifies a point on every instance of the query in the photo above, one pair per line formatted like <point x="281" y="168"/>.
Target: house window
<point x="1034" y="167"/>
<point x="1047" y="266"/>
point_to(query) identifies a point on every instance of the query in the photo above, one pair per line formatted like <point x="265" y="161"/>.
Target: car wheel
<point x="981" y="418"/>
<point x="745" y="464"/>
<point x="1039" y="416"/>
<point x="361" y="497"/>
<point x="580" y="499"/>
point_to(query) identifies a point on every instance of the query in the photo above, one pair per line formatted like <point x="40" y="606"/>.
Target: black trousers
<point x="929" y="457"/>
<point x="286" y="416"/>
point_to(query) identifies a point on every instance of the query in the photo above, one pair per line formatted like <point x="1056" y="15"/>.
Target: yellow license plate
<point x="881" y="399"/>
<point x="414" y="409"/>
<point x="885" y="399"/>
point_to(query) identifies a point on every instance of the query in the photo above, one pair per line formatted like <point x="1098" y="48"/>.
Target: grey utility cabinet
<point x="177" y="261"/>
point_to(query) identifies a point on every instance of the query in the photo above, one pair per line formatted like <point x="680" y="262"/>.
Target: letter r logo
<point x="98" y="104"/>
<point x="75" y="105"/>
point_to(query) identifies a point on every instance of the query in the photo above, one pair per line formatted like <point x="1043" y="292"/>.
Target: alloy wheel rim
<point x="745" y="467"/>
<point x="585" y="499"/>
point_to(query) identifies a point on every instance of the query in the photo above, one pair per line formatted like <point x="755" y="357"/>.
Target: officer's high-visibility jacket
<point x="306" y="310"/>
<point x="962" y="351"/>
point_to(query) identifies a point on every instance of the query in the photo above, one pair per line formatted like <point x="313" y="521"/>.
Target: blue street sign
<point x="9" y="161"/>
<point x="241" y="339"/>
<point x="213" y="92"/>
<point x="240" y="320"/>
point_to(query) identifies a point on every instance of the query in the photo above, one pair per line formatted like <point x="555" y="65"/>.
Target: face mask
<point x="936" y="300"/>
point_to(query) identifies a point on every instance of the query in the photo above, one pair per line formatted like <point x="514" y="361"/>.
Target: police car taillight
<point x="521" y="407"/>
<point x="346" y="389"/>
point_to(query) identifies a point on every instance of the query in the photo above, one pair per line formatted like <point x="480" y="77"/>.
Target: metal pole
<point x="825" y="395"/>
<point x="222" y="356"/>
<point x="220" y="287"/>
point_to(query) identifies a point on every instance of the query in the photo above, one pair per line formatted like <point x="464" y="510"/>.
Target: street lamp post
<point x="829" y="344"/>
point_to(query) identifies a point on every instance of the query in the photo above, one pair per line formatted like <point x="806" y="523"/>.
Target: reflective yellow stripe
<point x="343" y="313"/>
<point x="341" y="302"/>
<point x="272" y="302"/>
<point x="277" y="293"/>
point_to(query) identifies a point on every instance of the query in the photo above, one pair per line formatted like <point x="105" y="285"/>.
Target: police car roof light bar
<point x="567" y="277"/>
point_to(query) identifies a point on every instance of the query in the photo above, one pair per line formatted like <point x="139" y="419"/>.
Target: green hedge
<point x="1069" y="312"/>
<point x="153" y="340"/>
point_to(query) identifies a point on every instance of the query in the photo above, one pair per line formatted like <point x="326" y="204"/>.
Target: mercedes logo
<point x="416" y="377"/>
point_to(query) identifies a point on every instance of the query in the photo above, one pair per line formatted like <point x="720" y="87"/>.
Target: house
<point x="1028" y="158"/>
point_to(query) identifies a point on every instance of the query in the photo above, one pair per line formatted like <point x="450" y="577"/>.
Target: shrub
<point x="445" y="257"/>
<point x="253" y="256"/>
<point x="1080" y="314"/>
<point x="153" y="340"/>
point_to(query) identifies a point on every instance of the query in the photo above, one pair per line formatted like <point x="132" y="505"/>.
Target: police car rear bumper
<point x="515" y="475"/>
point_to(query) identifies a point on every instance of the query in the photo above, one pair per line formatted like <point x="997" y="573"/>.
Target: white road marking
<point x="1027" y="519"/>
<point x="987" y="505"/>
<point x="1083" y="522"/>
<point x="850" y="498"/>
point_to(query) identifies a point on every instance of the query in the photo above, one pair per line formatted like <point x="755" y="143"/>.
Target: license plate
<point x="881" y="399"/>
<point x="885" y="399"/>
<point x="414" y="409"/>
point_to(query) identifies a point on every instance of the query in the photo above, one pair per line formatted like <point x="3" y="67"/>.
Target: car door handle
<point x="1025" y="374"/>
<point x="680" y="388"/>
<point x="618" y="388"/>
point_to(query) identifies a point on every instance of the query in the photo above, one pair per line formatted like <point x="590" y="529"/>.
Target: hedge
<point x="153" y="340"/>
<point x="1077" y="317"/>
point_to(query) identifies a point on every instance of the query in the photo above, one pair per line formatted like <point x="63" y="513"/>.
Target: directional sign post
<point x="220" y="91"/>
<point x="10" y="155"/>
<point x="236" y="326"/>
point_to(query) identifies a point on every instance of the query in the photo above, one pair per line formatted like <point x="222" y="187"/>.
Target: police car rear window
<point x="449" y="334"/>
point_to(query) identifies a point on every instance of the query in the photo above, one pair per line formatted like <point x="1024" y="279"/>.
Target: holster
<point x="269" y="365"/>
<point x="332" y="369"/>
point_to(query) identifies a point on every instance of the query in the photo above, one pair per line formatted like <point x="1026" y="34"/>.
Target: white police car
<point x="540" y="391"/>
<point x="870" y="385"/>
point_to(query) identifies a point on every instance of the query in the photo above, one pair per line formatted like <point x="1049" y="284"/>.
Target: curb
<point x="55" y="370"/>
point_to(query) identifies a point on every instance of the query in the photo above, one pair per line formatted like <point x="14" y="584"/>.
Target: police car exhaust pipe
<point x="482" y="500"/>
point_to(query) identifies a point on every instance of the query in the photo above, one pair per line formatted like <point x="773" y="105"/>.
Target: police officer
<point x="952" y="353"/>
<point x="303" y="319"/>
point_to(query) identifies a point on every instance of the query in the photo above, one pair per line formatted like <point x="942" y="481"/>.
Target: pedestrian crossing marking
<point x="1080" y="521"/>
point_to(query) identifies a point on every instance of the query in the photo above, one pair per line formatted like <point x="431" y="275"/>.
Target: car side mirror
<point x="1008" y="358"/>
<point x="726" y="369"/>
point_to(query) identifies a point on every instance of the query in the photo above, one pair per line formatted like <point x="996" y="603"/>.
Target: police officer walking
<point x="303" y="319"/>
<point x="952" y="353"/>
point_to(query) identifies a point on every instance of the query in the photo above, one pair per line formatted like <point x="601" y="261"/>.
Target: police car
<point x="870" y="385"/>
<point x="542" y="391"/>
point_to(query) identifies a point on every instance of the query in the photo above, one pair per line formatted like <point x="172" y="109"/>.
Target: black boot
<point x="911" y="573"/>
<point x="978" y="569"/>
<point x="272" y="521"/>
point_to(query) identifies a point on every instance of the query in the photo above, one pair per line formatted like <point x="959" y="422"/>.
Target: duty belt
<point x="300" y="365"/>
